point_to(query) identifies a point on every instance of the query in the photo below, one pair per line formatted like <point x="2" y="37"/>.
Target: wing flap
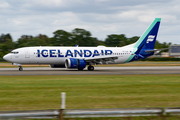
<point x="101" y="60"/>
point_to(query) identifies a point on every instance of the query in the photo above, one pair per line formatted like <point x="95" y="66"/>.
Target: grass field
<point x="89" y="91"/>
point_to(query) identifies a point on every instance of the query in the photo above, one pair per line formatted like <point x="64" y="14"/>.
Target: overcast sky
<point x="100" y="17"/>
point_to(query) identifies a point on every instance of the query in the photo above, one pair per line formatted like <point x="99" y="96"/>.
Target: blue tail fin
<point x="148" y="39"/>
<point x="146" y="42"/>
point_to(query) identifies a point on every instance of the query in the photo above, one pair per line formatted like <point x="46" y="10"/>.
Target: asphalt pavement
<point x="97" y="71"/>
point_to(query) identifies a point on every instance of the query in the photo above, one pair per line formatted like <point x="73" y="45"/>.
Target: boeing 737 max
<point x="80" y="57"/>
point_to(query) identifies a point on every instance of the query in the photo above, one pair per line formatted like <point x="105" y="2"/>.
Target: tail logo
<point x="150" y="38"/>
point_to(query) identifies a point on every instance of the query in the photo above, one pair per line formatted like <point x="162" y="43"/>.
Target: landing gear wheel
<point x="20" y="69"/>
<point x="90" y="68"/>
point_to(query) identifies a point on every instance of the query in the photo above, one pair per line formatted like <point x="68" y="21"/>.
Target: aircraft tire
<point x="20" y="69"/>
<point x="90" y="68"/>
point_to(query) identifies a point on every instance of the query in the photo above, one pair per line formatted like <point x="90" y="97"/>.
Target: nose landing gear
<point x="20" y="68"/>
<point x="19" y="65"/>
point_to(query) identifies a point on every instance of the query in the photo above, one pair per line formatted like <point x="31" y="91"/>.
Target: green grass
<point x="89" y="91"/>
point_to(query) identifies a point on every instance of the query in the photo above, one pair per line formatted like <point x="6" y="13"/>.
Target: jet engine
<point x="75" y="63"/>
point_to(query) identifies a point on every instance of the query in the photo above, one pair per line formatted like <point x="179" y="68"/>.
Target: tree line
<point x="77" y="36"/>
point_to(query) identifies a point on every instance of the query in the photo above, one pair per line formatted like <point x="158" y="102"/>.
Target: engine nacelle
<point x="57" y="66"/>
<point x="75" y="63"/>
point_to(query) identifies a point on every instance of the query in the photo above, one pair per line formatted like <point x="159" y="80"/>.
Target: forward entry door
<point x="27" y="53"/>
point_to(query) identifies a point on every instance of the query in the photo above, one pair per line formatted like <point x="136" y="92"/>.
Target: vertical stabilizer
<point x="146" y="41"/>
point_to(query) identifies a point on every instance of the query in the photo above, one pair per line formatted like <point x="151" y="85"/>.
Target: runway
<point x="97" y="71"/>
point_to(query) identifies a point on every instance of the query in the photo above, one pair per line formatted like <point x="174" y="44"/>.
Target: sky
<point x="100" y="17"/>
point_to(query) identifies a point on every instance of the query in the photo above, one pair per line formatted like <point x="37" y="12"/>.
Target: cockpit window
<point x="14" y="52"/>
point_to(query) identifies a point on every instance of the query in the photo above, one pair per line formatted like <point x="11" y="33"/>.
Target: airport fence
<point x="89" y="113"/>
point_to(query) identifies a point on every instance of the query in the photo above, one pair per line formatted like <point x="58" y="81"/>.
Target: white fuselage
<point x="58" y="55"/>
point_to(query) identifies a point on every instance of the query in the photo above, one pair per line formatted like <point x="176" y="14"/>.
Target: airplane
<point x="80" y="57"/>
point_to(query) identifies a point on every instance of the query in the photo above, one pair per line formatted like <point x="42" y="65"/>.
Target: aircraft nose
<point x="6" y="57"/>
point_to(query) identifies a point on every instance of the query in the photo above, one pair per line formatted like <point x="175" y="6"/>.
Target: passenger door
<point x="27" y="53"/>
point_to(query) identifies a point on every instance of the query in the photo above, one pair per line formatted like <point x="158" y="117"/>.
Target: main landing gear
<point x="90" y="68"/>
<point x="20" y="68"/>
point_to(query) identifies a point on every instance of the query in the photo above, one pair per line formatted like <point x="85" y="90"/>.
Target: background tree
<point x="28" y="40"/>
<point x="62" y="38"/>
<point x="6" y="44"/>
<point x="132" y="40"/>
<point x="116" y="40"/>
<point x="83" y="37"/>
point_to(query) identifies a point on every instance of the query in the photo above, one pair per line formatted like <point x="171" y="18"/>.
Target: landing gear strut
<point x="90" y="68"/>
<point x="20" y="68"/>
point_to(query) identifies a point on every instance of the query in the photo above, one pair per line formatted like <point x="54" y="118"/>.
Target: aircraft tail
<point x="146" y="42"/>
<point x="148" y="39"/>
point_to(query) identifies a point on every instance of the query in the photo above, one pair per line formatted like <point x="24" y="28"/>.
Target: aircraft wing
<point x="101" y="60"/>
